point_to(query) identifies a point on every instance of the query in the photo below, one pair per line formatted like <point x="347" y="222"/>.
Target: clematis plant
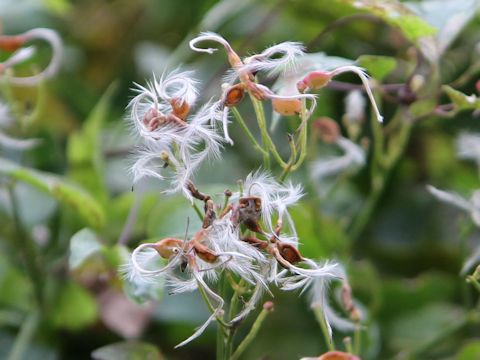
<point x="247" y="244"/>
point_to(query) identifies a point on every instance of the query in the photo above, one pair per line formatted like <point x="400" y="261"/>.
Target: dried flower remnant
<point x="171" y="137"/>
<point x="319" y="79"/>
<point x="21" y="54"/>
<point x="260" y="260"/>
<point x="245" y="71"/>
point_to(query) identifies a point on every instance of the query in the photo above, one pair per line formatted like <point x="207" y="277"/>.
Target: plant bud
<point x="268" y="305"/>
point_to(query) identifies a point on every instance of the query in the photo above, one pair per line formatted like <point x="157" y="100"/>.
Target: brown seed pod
<point x="260" y="244"/>
<point x="180" y="108"/>
<point x="234" y="95"/>
<point x="289" y="252"/>
<point x="205" y="253"/>
<point x="287" y="107"/>
<point x="168" y="247"/>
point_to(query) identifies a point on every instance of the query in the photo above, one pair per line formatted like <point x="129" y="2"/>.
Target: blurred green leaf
<point x="422" y="107"/>
<point x="460" y="100"/>
<point x="83" y="244"/>
<point x="403" y="296"/>
<point x="469" y="352"/>
<point x="448" y="16"/>
<point x="320" y="237"/>
<point x="128" y="351"/>
<point x="170" y="218"/>
<point x="398" y="15"/>
<point x="377" y="66"/>
<point x="423" y="326"/>
<point x="16" y="289"/>
<point x="84" y="150"/>
<point x="60" y="188"/>
<point x="75" y="308"/>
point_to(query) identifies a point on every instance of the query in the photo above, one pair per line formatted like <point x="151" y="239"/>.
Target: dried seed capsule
<point x="205" y="253"/>
<point x="287" y="107"/>
<point x="289" y="253"/>
<point x="168" y="247"/>
<point x="234" y="95"/>
<point x="180" y="108"/>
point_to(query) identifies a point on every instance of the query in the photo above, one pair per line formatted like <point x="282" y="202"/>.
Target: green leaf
<point x="60" y="188"/>
<point x="75" y="308"/>
<point x="133" y="350"/>
<point x="84" y="149"/>
<point x="460" y="100"/>
<point x="422" y="107"/>
<point x="170" y="217"/>
<point x="320" y="237"/>
<point x="470" y="351"/>
<point x="424" y="326"/>
<point x="377" y="66"/>
<point x="83" y="244"/>
<point x="449" y="17"/>
<point x="396" y="14"/>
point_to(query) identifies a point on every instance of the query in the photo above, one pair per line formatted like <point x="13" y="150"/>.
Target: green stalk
<point x="247" y="131"/>
<point x="382" y="166"/>
<point x="197" y="211"/>
<point x="323" y="326"/>
<point x="266" y="139"/>
<point x="293" y="158"/>
<point x="28" y="251"/>
<point x="24" y="337"/>
<point x="303" y="138"/>
<point x="357" y="340"/>
<point x="251" y="335"/>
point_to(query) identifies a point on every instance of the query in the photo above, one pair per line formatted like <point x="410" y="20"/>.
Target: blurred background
<point x="404" y="263"/>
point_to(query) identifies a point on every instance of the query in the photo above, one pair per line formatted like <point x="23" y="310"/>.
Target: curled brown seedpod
<point x="327" y="130"/>
<point x="255" y="242"/>
<point x="234" y="95"/>
<point x="168" y="247"/>
<point x="180" y="108"/>
<point x="287" y="107"/>
<point x="205" y="253"/>
<point x="249" y="212"/>
<point x="289" y="252"/>
<point x="249" y="208"/>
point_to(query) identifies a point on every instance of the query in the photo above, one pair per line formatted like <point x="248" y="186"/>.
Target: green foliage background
<point x="404" y="265"/>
